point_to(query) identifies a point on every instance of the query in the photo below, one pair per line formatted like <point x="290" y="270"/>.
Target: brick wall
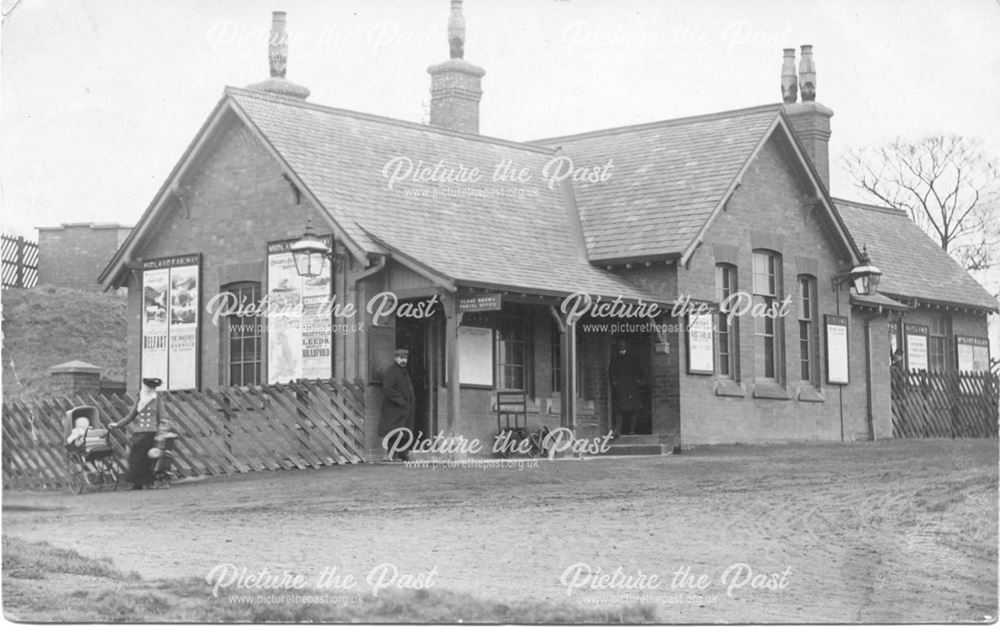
<point x="238" y="201"/>
<point x="73" y="255"/>
<point x="771" y="210"/>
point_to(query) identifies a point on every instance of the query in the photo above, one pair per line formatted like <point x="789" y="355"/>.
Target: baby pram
<point x="90" y="458"/>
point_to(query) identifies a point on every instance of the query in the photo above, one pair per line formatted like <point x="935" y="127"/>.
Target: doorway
<point x="630" y="383"/>
<point x="412" y="335"/>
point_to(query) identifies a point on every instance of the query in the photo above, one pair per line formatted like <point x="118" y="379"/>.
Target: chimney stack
<point x="810" y="119"/>
<point x="456" y="84"/>
<point x="277" y="61"/>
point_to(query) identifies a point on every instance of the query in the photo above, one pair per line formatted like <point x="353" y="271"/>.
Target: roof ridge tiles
<point x="719" y="115"/>
<point x="295" y="102"/>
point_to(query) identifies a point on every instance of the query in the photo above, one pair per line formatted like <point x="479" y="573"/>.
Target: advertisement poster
<point x="916" y="346"/>
<point x="299" y="328"/>
<point x="973" y="353"/>
<point x="183" y="358"/>
<point x="701" y="350"/>
<point x="837" y="369"/>
<point x="155" y="285"/>
<point x="170" y="320"/>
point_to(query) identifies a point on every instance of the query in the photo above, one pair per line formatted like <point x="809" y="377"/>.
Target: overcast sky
<point x="101" y="97"/>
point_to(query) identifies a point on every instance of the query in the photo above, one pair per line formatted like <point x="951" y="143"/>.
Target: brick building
<point x="707" y="250"/>
<point x="71" y="255"/>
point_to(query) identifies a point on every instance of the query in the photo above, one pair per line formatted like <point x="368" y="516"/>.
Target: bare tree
<point x="949" y="186"/>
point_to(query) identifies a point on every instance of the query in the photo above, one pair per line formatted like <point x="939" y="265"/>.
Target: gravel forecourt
<point x="865" y="532"/>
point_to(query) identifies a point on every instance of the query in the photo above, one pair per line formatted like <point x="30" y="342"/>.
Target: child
<point x="78" y="436"/>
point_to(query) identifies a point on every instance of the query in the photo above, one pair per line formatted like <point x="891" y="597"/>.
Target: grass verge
<point x="43" y="583"/>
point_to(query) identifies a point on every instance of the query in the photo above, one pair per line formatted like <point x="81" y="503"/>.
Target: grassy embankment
<point x="46" y="326"/>
<point x="42" y="583"/>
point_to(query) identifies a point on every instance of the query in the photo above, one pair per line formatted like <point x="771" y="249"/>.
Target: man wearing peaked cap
<point x="397" y="398"/>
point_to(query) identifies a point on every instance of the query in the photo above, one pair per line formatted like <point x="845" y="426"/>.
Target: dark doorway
<point x="411" y="334"/>
<point x="630" y="385"/>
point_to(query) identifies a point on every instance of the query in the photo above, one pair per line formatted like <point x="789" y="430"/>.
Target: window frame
<point x="501" y="350"/>
<point x="938" y="336"/>
<point x="808" y="312"/>
<point x="769" y="366"/>
<point x="727" y="345"/>
<point x="238" y="288"/>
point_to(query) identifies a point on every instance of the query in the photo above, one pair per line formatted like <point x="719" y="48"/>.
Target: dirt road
<point x="874" y="532"/>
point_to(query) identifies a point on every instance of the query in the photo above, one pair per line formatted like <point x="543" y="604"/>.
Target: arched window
<point x="242" y="338"/>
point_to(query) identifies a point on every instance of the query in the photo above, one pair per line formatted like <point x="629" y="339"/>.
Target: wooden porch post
<point x="452" y="322"/>
<point x="571" y="372"/>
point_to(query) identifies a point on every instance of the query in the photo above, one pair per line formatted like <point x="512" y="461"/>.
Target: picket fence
<point x="20" y="262"/>
<point x="944" y="404"/>
<point x="304" y="424"/>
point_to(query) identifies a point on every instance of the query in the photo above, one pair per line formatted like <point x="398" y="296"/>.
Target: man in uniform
<point x="397" y="400"/>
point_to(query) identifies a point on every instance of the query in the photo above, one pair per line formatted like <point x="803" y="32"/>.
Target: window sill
<point x="771" y="390"/>
<point x="728" y="387"/>
<point x="809" y="394"/>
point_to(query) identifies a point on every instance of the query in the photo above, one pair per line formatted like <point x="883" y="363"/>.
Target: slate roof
<point x="913" y="265"/>
<point x="524" y="242"/>
<point x="667" y="179"/>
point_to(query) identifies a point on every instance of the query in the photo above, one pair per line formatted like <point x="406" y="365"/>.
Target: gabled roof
<point x="518" y="236"/>
<point x="913" y="265"/>
<point x="487" y="233"/>
<point x="668" y="178"/>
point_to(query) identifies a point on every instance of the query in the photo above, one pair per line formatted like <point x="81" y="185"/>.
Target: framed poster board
<point x="916" y="346"/>
<point x="973" y="353"/>
<point x="700" y="344"/>
<point x="837" y="354"/>
<point x="299" y="324"/>
<point x="475" y="356"/>
<point x="171" y="296"/>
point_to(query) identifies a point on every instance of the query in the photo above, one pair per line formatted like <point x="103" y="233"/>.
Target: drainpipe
<point x="364" y="274"/>
<point x="868" y="372"/>
<point x="355" y="279"/>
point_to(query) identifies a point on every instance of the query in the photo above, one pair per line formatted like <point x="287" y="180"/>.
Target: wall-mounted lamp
<point x="864" y="276"/>
<point x="310" y="253"/>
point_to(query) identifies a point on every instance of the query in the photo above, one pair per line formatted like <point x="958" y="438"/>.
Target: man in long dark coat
<point x="626" y="389"/>
<point x="397" y="399"/>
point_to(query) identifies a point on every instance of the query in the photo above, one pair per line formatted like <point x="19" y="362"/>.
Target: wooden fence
<point x="304" y="424"/>
<point x="20" y="262"/>
<point x="944" y="404"/>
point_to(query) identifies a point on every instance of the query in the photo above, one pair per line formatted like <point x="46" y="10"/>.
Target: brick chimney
<point x="456" y="84"/>
<point x="810" y="119"/>
<point x="277" y="61"/>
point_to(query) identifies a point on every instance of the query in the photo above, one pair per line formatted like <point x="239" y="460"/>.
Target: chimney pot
<point x="807" y="75"/>
<point x="456" y="30"/>
<point x="789" y="80"/>
<point x="277" y="45"/>
<point x="277" y="61"/>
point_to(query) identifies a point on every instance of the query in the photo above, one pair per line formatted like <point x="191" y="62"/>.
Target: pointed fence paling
<point x="944" y="404"/>
<point x="298" y="425"/>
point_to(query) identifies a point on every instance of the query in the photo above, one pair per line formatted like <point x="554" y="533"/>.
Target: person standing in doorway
<point x="398" y="400"/>
<point x="626" y="385"/>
